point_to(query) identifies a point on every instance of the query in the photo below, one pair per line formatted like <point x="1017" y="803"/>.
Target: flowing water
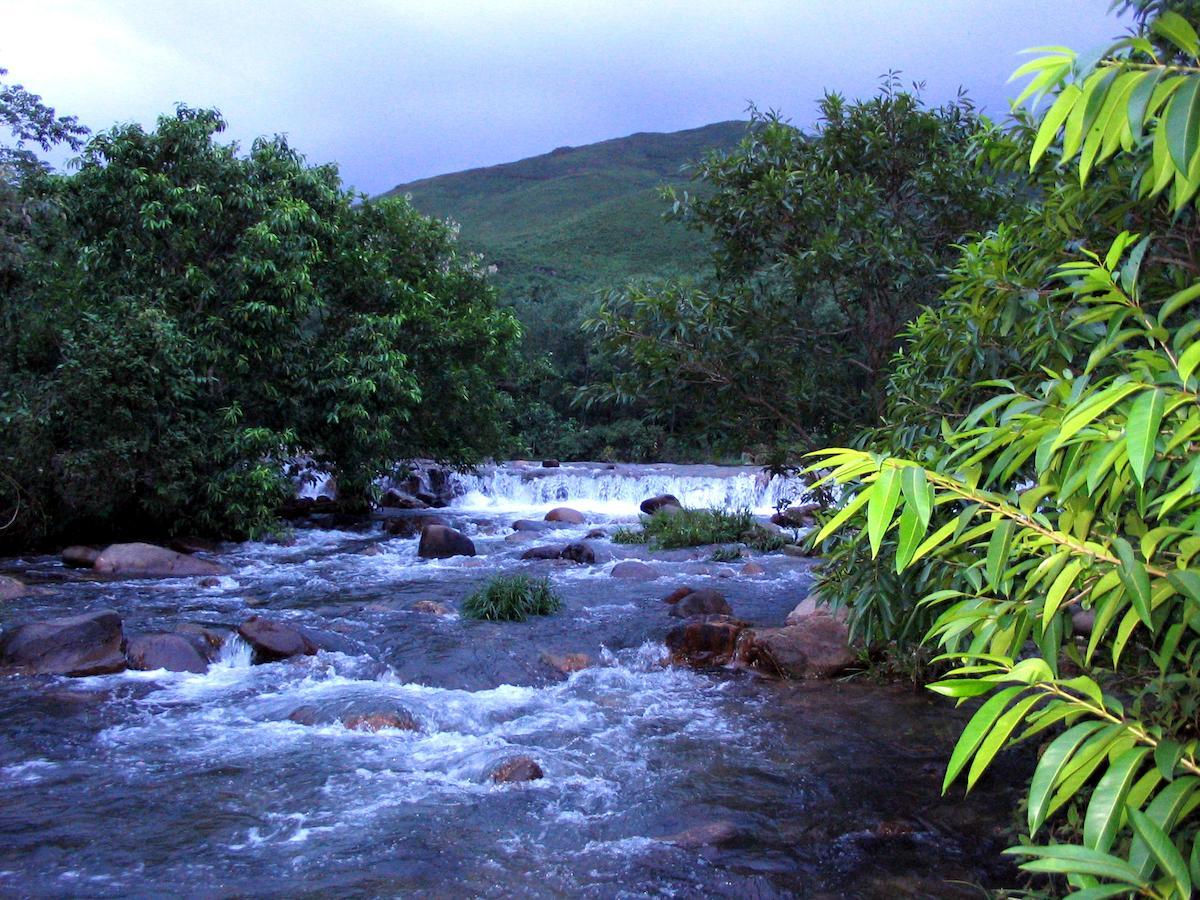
<point x="148" y="783"/>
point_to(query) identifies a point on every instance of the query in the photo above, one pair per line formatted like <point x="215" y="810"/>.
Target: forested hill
<point x="577" y="216"/>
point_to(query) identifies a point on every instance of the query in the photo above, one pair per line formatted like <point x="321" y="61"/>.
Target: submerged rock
<point x="89" y="644"/>
<point x="710" y="834"/>
<point x="550" y="464"/>
<point x="12" y="588"/>
<point x="442" y="542"/>
<point x="704" y="602"/>
<point x="398" y="719"/>
<point x="752" y="568"/>
<point x="411" y="526"/>
<point x="565" y="514"/>
<point x="516" y="769"/>
<point x="172" y="652"/>
<point x="705" y="640"/>
<point x="533" y="525"/>
<point x="631" y="568"/>
<point x="542" y="553"/>
<point x="432" y="607"/>
<point x="303" y="715"/>
<point x="579" y="552"/>
<point x="273" y="641"/>
<point x="567" y="662"/>
<point x="651" y="505"/>
<point x="149" y="561"/>
<point x="678" y="594"/>
<point x="79" y="557"/>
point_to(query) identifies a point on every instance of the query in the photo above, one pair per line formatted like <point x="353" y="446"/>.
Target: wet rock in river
<point x="565" y="514"/>
<point x="12" y="588"/>
<point x="752" y="568"/>
<point x="567" y="662"/>
<point x="89" y="644"/>
<point x="411" y="526"/>
<point x="521" y="537"/>
<point x="817" y="646"/>
<point x="651" y="505"/>
<point x="594" y="534"/>
<point x="705" y="640"/>
<point x="633" y="569"/>
<point x="533" y="525"/>
<point x="678" y="594"/>
<point x="172" y="652"/>
<point x="79" y="557"/>
<point x="516" y="769"/>
<point x="149" y="561"/>
<point x="704" y="602"/>
<point x="273" y="641"/>
<point x="441" y="542"/>
<point x="798" y="516"/>
<point x="394" y="499"/>
<point x="579" y="552"/>
<point x="192" y="545"/>
<point x="206" y="640"/>
<point x="398" y="719"/>
<point x="550" y="464"/>
<point x="710" y="834"/>
<point x="303" y="715"/>
<point x="542" y="553"/>
<point x="432" y="607"/>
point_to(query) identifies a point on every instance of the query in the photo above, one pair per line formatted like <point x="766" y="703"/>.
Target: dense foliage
<point x="825" y="244"/>
<point x="1036" y="503"/>
<point x="512" y="598"/>
<point x="671" y="527"/>
<point x="189" y="317"/>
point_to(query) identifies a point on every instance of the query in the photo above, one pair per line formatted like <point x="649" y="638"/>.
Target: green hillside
<point x="559" y="228"/>
<point x="577" y="217"/>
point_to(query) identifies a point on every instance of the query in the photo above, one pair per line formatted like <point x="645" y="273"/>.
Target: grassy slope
<point x="580" y="218"/>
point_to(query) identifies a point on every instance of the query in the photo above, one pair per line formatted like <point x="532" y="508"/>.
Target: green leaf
<point x="1051" y="767"/>
<point x="1141" y="431"/>
<point x="1182" y="123"/>
<point x="1164" y="811"/>
<point x="856" y="503"/>
<point x="1136" y="581"/>
<point x="998" y="737"/>
<point x="997" y="552"/>
<point x="1188" y="361"/>
<point x="882" y="505"/>
<point x="1176" y="29"/>
<point x="1058" y="590"/>
<point x="1139" y="101"/>
<point x="917" y="492"/>
<point x="976" y="730"/>
<point x="1164" y="852"/>
<point x="1104" y="810"/>
<point x="1052" y="122"/>
<point x="1064" y="859"/>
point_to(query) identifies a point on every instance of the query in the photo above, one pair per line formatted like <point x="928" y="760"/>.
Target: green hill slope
<point x="577" y="218"/>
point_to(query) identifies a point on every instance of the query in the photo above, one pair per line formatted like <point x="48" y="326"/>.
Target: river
<point x="659" y="781"/>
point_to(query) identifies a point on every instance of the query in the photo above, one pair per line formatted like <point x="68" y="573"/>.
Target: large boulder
<point x="149" y="561"/>
<point x="633" y="569"/>
<point x="565" y="514"/>
<point x="651" y="505"/>
<point x="273" y="641"/>
<point x="88" y="644"/>
<point x="441" y="542"/>
<point x="394" y="499"/>
<point x="78" y="557"/>
<point x="518" y="768"/>
<point x="705" y="640"/>
<point x="678" y="594"/>
<point x="816" y="646"/>
<point x="12" y="588"/>
<point x="705" y="602"/>
<point x="172" y="652"/>
<point x="579" y="552"/>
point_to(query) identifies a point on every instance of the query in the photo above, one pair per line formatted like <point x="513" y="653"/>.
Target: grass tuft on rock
<point x="512" y="598"/>
<point x="726" y="554"/>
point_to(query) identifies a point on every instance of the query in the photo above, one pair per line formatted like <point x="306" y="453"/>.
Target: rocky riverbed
<point x="403" y="749"/>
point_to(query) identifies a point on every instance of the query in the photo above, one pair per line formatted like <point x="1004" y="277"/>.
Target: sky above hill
<point x="394" y="90"/>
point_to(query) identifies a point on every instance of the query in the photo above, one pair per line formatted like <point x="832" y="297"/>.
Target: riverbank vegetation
<point x="181" y="318"/>
<point x="671" y="528"/>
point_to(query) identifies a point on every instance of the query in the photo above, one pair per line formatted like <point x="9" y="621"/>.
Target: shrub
<point x="512" y="598"/>
<point x="726" y="554"/>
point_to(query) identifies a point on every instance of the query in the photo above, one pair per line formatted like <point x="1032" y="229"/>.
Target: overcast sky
<point x="394" y="90"/>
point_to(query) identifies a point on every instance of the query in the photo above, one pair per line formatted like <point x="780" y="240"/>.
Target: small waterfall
<point x="235" y="653"/>
<point x="595" y="486"/>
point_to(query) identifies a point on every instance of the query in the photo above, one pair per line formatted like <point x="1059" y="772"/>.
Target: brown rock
<point x="704" y="602"/>
<point x="172" y="652"/>
<point x="12" y="588"/>
<point x="752" y="568"/>
<point x="518" y="768"/>
<point x="704" y="640"/>
<point x="400" y="720"/>
<point x="411" y="526"/>
<point x="192" y="545"/>
<point x="678" y="594"/>
<point x="565" y="514"/>
<point x="567" y="662"/>
<point x="88" y="644"/>
<point x="432" y="607"/>
<point x="594" y="534"/>
<point x="370" y="550"/>
<point x="817" y="646"/>
<point x="580" y="553"/>
<point x="800" y="551"/>
<point x="78" y="557"/>
<point x="209" y="581"/>
<point x="710" y="834"/>
<point x="441" y="542"/>
<point x="651" y="505"/>
<point x="149" y="561"/>
<point x="532" y="525"/>
<point x="550" y="463"/>
<point x="273" y="641"/>
<point x="303" y="715"/>
<point x="521" y="537"/>
<point x="542" y="553"/>
<point x="631" y="568"/>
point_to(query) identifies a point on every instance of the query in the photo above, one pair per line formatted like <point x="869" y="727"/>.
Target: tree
<point x="197" y="316"/>
<point x="1068" y="494"/>
<point x="824" y="245"/>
